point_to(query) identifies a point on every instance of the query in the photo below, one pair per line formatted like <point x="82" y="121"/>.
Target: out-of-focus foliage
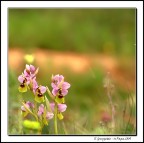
<point x="86" y="101"/>
<point x="81" y="30"/>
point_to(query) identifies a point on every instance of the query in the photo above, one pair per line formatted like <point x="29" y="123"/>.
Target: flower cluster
<point x="27" y="77"/>
<point x="28" y="80"/>
<point x="60" y="90"/>
<point x="44" y="114"/>
<point x="46" y="111"/>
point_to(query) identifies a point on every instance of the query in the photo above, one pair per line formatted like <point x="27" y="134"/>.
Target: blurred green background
<point x="78" y="30"/>
<point x="83" y="45"/>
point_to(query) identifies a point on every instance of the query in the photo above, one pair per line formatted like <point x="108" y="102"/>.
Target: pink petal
<point x="27" y="105"/>
<point x="35" y="85"/>
<point x="42" y="89"/>
<point x="53" y="85"/>
<point x="28" y="82"/>
<point x="55" y="91"/>
<point x="49" y="115"/>
<point x="41" y="108"/>
<point x="52" y="105"/>
<point x="61" y="78"/>
<point x="64" y="92"/>
<point x="34" y="91"/>
<point x="30" y="104"/>
<point x="23" y="108"/>
<point x="39" y="113"/>
<point x="28" y="67"/>
<point x="65" y="85"/>
<point x="28" y="78"/>
<point x="21" y="79"/>
<point x="32" y="76"/>
<point x="56" y="77"/>
<point x="32" y="68"/>
<point x="62" y="107"/>
<point x="26" y="74"/>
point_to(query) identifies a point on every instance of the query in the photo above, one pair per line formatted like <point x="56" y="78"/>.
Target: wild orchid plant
<point x="53" y="109"/>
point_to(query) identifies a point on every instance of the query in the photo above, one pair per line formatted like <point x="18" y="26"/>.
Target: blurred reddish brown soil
<point x="78" y="63"/>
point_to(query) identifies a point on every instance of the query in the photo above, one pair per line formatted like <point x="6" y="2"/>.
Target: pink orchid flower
<point x="60" y="87"/>
<point x="30" y="71"/>
<point x="61" y="107"/>
<point x="23" y="83"/>
<point x="38" y="91"/>
<point x="23" y="80"/>
<point x="41" y="110"/>
<point x="26" y="78"/>
<point x="28" y="105"/>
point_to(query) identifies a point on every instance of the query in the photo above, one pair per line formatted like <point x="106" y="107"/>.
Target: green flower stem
<point x="40" y="131"/>
<point x="35" y="110"/>
<point x="35" y="105"/>
<point x="30" y="111"/>
<point x="50" y="94"/>
<point x="55" y="119"/>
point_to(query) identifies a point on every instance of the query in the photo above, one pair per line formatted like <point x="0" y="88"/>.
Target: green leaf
<point x="39" y="99"/>
<point x="44" y="117"/>
<point x="45" y="121"/>
<point x="60" y="116"/>
<point x="24" y="113"/>
<point x="60" y="100"/>
<point x="22" y="89"/>
<point x="31" y="124"/>
<point x="47" y="104"/>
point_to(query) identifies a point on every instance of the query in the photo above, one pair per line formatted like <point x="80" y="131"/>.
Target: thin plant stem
<point x="64" y="128"/>
<point x="35" y="110"/>
<point x="109" y="87"/>
<point x="55" y="119"/>
<point x="40" y="131"/>
<point x="112" y="109"/>
<point x="50" y="94"/>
